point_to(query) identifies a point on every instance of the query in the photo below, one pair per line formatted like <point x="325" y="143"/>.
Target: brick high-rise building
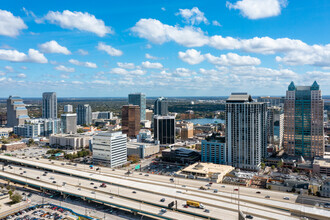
<point x="130" y="120"/>
<point x="303" y="121"/>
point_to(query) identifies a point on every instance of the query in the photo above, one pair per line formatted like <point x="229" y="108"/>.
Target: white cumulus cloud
<point x="216" y="23"/>
<point x="149" y="65"/>
<point x="33" y="56"/>
<point x="109" y="50"/>
<point x="191" y="56"/>
<point x="159" y="33"/>
<point x="193" y="16"/>
<point x="83" y="52"/>
<point x="232" y="59"/>
<point x="256" y="9"/>
<point x="53" y="47"/>
<point x="65" y="69"/>
<point x="10" y="25"/>
<point x="122" y="71"/>
<point x="126" y="65"/>
<point x="21" y="75"/>
<point x="150" y="57"/>
<point x="85" y="64"/>
<point x="79" y="20"/>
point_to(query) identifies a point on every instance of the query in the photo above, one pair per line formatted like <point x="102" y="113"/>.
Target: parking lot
<point x="30" y="152"/>
<point x="42" y="212"/>
<point x="161" y="168"/>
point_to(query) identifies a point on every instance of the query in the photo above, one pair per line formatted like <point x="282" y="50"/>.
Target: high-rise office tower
<point x="303" y="121"/>
<point x="164" y="129"/>
<point x="161" y="106"/>
<point x="130" y="122"/>
<point x="49" y="105"/>
<point x="68" y="109"/>
<point x="16" y="111"/>
<point x="110" y="149"/>
<point x="84" y="114"/>
<point x="69" y="123"/>
<point x="140" y="100"/>
<point x="246" y="131"/>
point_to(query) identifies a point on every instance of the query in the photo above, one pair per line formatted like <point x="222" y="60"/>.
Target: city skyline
<point x="163" y="48"/>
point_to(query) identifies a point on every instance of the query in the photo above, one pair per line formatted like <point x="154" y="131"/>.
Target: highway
<point x="149" y="189"/>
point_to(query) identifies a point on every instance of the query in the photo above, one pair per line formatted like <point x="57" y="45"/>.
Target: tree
<point x="269" y="187"/>
<point x="134" y="158"/>
<point x="263" y="165"/>
<point x="30" y="142"/>
<point x="80" y="130"/>
<point x="280" y="164"/>
<point x="273" y="167"/>
<point x="16" y="198"/>
<point x="10" y="193"/>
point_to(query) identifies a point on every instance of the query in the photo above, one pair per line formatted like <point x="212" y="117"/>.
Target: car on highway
<point x="38" y="177"/>
<point x="92" y="183"/>
<point x="146" y="175"/>
<point x="267" y="197"/>
<point x="249" y="216"/>
<point x="215" y="191"/>
<point x="235" y="189"/>
<point x="103" y="185"/>
<point x="20" y="168"/>
<point x="52" y="178"/>
<point x="134" y="192"/>
<point x="206" y="210"/>
<point x="162" y="200"/>
<point x="95" y="187"/>
<point x="79" y="188"/>
<point x="223" y="186"/>
<point x="54" y="181"/>
<point x="258" y="192"/>
<point x="93" y="192"/>
<point x="172" y="179"/>
<point x="185" y="206"/>
<point x="286" y="198"/>
<point x="163" y="210"/>
<point x="140" y="173"/>
<point x="183" y="185"/>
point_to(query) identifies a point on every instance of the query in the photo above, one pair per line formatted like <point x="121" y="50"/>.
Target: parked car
<point x="267" y="197"/>
<point x="162" y="200"/>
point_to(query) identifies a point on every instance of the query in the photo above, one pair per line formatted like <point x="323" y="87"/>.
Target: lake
<point x="203" y="121"/>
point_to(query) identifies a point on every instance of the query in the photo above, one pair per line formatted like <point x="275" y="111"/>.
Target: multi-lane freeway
<point x="143" y="194"/>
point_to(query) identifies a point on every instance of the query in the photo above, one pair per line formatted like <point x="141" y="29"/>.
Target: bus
<point x="195" y="204"/>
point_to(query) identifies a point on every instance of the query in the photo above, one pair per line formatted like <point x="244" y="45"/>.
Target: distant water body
<point x="204" y="121"/>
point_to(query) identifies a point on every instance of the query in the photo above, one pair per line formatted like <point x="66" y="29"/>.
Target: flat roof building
<point x="142" y="149"/>
<point x="110" y="149"/>
<point x="207" y="171"/>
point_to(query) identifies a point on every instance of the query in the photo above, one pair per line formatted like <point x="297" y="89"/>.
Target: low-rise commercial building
<point x="321" y="166"/>
<point x="4" y="132"/>
<point x="181" y="155"/>
<point x="69" y="141"/>
<point x="142" y="149"/>
<point x="110" y="149"/>
<point x="207" y="171"/>
<point x="13" y="146"/>
<point x="325" y="190"/>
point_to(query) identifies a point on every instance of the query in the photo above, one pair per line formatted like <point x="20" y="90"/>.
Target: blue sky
<point x="168" y="48"/>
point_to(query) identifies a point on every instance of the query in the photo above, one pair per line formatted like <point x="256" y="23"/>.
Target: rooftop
<point x="208" y="168"/>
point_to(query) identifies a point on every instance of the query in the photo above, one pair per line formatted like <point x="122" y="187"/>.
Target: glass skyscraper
<point x="49" y="105"/>
<point x="161" y="106"/>
<point x="303" y="121"/>
<point x="140" y="100"/>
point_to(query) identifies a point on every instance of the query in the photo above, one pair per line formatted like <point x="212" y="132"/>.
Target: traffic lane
<point x="179" y="195"/>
